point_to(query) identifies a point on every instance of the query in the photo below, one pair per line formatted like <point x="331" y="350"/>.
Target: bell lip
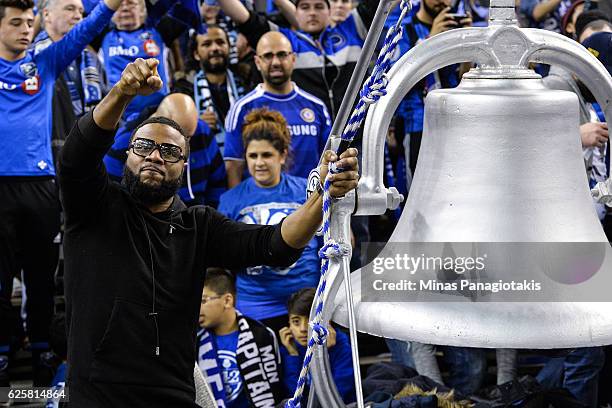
<point x="501" y="73"/>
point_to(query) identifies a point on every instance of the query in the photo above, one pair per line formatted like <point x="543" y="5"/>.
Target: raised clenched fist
<point x="140" y="78"/>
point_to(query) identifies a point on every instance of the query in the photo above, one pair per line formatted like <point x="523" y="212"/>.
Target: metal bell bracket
<point x="501" y="50"/>
<point x="602" y="192"/>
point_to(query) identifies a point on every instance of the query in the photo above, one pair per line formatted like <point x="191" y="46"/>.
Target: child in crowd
<point x="238" y="356"/>
<point x="295" y="338"/>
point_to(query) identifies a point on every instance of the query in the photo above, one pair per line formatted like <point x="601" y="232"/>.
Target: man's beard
<point x="279" y="80"/>
<point x="432" y="12"/>
<point x="147" y="194"/>
<point x="215" y="68"/>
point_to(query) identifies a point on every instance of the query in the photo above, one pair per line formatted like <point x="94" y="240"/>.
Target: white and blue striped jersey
<point x="307" y="119"/>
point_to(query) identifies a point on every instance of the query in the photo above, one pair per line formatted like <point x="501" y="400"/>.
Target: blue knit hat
<point x="600" y="45"/>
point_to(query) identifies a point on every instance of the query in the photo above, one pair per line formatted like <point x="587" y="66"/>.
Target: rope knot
<point x="319" y="333"/>
<point x="330" y="250"/>
<point x="378" y="88"/>
<point x="334" y="169"/>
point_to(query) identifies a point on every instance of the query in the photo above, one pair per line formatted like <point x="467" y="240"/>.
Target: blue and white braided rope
<point x="373" y="88"/>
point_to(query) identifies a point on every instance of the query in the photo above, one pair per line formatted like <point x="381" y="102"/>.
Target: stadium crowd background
<point x="257" y="93"/>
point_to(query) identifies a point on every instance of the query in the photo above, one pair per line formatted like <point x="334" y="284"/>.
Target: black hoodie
<point x="134" y="279"/>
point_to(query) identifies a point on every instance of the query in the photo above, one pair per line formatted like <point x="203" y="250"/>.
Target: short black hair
<point x="326" y="1"/>
<point x="168" y="122"/>
<point x="585" y="19"/>
<point x="220" y="281"/>
<point x="18" y="4"/>
<point x="300" y="302"/>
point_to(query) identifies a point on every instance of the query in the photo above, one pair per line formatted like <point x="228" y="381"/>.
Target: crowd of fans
<point x="257" y="93"/>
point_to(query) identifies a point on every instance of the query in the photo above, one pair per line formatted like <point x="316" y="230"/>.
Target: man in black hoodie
<point x="135" y="256"/>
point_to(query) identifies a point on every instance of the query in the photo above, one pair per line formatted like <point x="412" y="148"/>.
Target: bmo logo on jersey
<point x="31" y="85"/>
<point x="117" y="50"/>
<point x="7" y="87"/>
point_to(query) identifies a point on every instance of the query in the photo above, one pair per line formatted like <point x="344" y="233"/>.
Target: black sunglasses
<point x="170" y="153"/>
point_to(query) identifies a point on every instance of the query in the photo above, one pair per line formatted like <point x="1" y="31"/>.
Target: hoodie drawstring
<point x="153" y="313"/>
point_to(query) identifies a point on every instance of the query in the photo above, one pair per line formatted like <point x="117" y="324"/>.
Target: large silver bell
<point x="500" y="162"/>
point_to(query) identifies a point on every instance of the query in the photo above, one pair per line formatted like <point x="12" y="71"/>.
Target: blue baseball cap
<point x="600" y="45"/>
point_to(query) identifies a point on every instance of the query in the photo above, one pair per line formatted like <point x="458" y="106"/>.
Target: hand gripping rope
<point x="371" y="91"/>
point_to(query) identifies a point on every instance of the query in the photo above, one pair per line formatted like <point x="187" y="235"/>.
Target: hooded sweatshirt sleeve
<point x="233" y="245"/>
<point x="82" y="176"/>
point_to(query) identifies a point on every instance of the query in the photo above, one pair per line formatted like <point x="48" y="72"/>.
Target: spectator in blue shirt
<point x="30" y="208"/>
<point x="326" y="55"/>
<point x="267" y="198"/>
<point x="238" y="355"/>
<point x="79" y="87"/>
<point x="132" y="38"/>
<point x="294" y="340"/>
<point x="306" y="116"/>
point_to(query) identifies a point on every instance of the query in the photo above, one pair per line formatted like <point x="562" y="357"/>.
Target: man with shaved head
<point x="181" y="109"/>
<point x="203" y="180"/>
<point x="307" y="117"/>
<point x="326" y="54"/>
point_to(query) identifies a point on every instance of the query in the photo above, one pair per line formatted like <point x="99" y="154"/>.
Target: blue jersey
<point x="205" y="178"/>
<point x="119" y="48"/>
<point x="412" y="107"/>
<point x="263" y="291"/>
<point x="26" y="93"/>
<point x="236" y="395"/>
<point x="341" y="364"/>
<point x="307" y="118"/>
<point x="324" y="64"/>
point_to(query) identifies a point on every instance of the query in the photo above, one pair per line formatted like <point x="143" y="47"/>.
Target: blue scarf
<point x="204" y="101"/>
<point x="207" y="361"/>
<point x="262" y="381"/>
<point x="87" y="64"/>
<point x="227" y="24"/>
